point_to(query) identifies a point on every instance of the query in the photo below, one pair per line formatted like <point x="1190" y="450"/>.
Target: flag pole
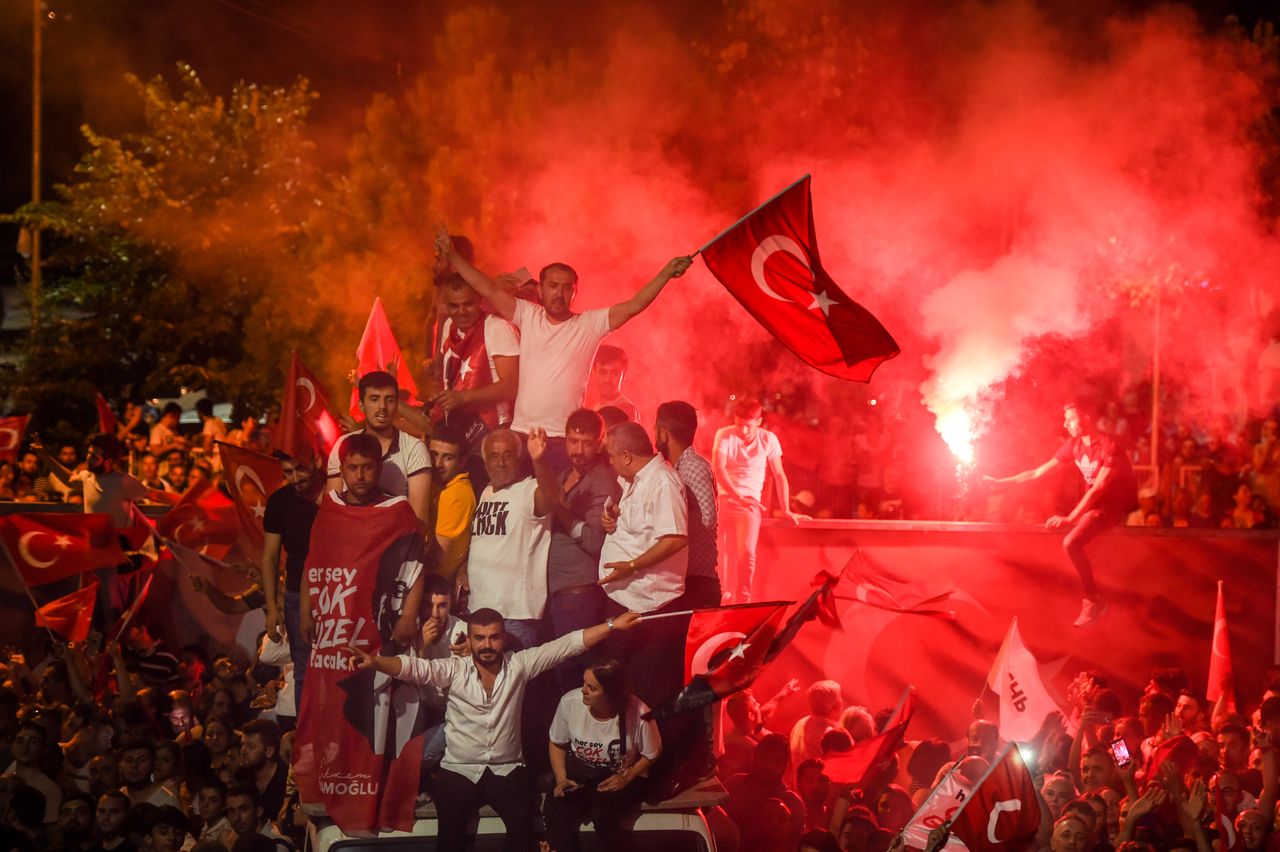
<point x="753" y="212"/>
<point x="659" y="615"/>
<point x="897" y="709"/>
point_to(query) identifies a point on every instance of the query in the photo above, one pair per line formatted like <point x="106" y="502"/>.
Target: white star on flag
<point x="822" y="301"/>
<point x="259" y="511"/>
<point x="62" y="541"/>
<point x="739" y="652"/>
<point x="466" y="368"/>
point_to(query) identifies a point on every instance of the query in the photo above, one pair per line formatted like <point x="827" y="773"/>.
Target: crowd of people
<point x="522" y="538"/>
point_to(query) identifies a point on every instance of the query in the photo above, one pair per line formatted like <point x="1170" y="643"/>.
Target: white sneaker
<point x="1090" y="611"/>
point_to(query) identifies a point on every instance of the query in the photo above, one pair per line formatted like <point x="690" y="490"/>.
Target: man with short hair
<point x="741" y="455"/>
<point x="456" y="500"/>
<point x="510" y="536"/>
<point x="1110" y="494"/>
<point x="113" y="810"/>
<point x="30" y="464"/>
<point x="1097" y="769"/>
<point x="825" y="704"/>
<point x="443" y="635"/>
<point x="175" y="479"/>
<point x="605" y="385"/>
<point x="211" y="807"/>
<point x="149" y="472"/>
<point x="405" y="469"/>
<point x="673" y="434"/>
<point x="483" y="762"/>
<point x="29" y="744"/>
<point x="164" y="434"/>
<point x="291" y="510"/>
<point x="212" y="429"/>
<point x="481" y="358"/>
<point x="247" y="816"/>
<point x="573" y="561"/>
<point x="260" y="763"/>
<point x="556" y="345"/>
<point x="75" y="822"/>
<point x="137" y="759"/>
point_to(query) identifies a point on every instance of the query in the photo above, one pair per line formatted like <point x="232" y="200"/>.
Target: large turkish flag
<point x="769" y="262"/>
<point x="306" y="426"/>
<point x="48" y="546"/>
<point x="1003" y="812"/>
<point x="251" y="478"/>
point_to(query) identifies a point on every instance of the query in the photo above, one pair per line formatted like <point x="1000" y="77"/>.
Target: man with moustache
<point x="480" y="358"/>
<point x="291" y="509"/>
<point x="556" y="345"/>
<point x="456" y="503"/>
<point x="510" y="536"/>
<point x="1110" y="494"/>
<point x="483" y="761"/>
<point x="673" y="434"/>
<point x="576" y="600"/>
<point x="405" y="469"/>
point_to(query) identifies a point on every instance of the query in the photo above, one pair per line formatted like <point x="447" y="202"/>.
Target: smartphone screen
<point x="1119" y="752"/>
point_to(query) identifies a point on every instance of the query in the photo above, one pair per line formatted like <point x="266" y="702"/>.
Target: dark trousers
<point x="605" y="811"/>
<point x="299" y="650"/>
<point x="701" y="592"/>
<point x="513" y="796"/>
<point x="568" y="611"/>
<point x="1092" y="524"/>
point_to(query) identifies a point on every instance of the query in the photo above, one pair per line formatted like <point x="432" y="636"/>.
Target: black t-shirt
<point x="1120" y="494"/>
<point x="290" y="515"/>
<point x="273" y="797"/>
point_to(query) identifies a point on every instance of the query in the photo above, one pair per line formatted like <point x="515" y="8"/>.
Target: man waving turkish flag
<point x="769" y="262"/>
<point x="1003" y="811"/>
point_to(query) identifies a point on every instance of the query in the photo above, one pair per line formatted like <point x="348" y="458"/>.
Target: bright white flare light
<point x="955" y="425"/>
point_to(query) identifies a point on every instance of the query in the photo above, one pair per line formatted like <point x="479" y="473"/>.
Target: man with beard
<point x="673" y="436"/>
<point x="1111" y="492"/>
<point x="260" y="763"/>
<point x="480" y="361"/>
<point x="290" y="511"/>
<point x="456" y="503"/>
<point x="556" y="345"/>
<point x="75" y="822"/>
<point x="247" y="817"/>
<point x="405" y="469"/>
<point x="483" y="762"/>
<point x="113" y="809"/>
<point x="576" y="599"/>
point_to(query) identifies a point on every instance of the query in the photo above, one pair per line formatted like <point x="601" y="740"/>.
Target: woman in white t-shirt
<point x="601" y="750"/>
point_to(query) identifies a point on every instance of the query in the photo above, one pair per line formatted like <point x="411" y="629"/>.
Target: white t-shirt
<point x="555" y="361"/>
<point x="598" y="743"/>
<point x="112" y="493"/>
<point x="500" y="339"/>
<point x="652" y="506"/>
<point x="406" y="457"/>
<point x="507" y="565"/>
<point x="745" y="462"/>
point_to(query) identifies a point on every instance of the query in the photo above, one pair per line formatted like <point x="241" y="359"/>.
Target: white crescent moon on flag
<point x="1220" y="644"/>
<point x="305" y="384"/>
<point x="709" y="648"/>
<point x="11" y="443"/>
<point x="764" y="250"/>
<point x="243" y="471"/>
<point x="24" y="548"/>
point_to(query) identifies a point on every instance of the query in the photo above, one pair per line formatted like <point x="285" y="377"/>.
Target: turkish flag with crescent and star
<point x="1221" y="681"/>
<point x="251" y="478"/>
<point x="204" y="516"/>
<point x="770" y="263"/>
<point x="70" y="616"/>
<point x="306" y="426"/>
<point x="378" y="350"/>
<point x="48" y="546"/>
<point x="12" y="429"/>
<point x="1003" y="812"/>
<point x="712" y="632"/>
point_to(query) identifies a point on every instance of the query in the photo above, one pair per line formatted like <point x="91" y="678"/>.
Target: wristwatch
<point x="608" y="622"/>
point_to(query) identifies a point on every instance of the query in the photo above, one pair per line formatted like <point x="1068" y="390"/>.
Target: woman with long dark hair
<point x="601" y="750"/>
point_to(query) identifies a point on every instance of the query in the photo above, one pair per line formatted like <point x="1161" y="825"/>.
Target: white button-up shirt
<point x="482" y="729"/>
<point x="652" y="506"/>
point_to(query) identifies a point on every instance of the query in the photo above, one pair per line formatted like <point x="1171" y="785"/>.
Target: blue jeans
<point x="299" y="650"/>
<point x="570" y="612"/>
<point x="433" y="751"/>
<point x="523" y="632"/>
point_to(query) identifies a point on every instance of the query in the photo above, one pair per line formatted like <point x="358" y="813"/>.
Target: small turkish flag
<point x="106" y="417"/>
<point x="1221" y="681"/>
<point x="713" y="632"/>
<point x="770" y="263"/>
<point x="251" y="478"/>
<point x="12" y="429"/>
<point x="1003" y="812"/>
<point x="47" y="546"/>
<point x="865" y="762"/>
<point x="203" y="516"/>
<point x="70" y="616"/>
<point x="378" y="350"/>
<point x="306" y="426"/>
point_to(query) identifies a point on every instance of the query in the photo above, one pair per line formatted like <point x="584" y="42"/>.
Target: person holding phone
<point x="443" y="636"/>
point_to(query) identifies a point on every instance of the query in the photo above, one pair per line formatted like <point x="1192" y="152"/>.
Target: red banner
<point x="48" y="546"/>
<point x="359" y="747"/>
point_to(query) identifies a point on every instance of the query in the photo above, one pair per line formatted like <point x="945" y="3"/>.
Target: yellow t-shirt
<point x="455" y="506"/>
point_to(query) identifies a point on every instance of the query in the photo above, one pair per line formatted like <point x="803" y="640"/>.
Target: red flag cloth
<point x="1221" y="681"/>
<point x="117" y="629"/>
<point x="744" y="661"/>
<point x="70" y="616"/>
<point x="251" y="478"/>
<point x="713" y="631"/>
<point x="306" y="426"/>
<point x="12" y="430"/>
<point x="359" y="743"/>
<point x="868" y="759"/>
<point x="106" y="417"/>
<point x="203" y="516"/>
<point x="48" y="546"/>
<point x="769" y="262"/>
<point x="378" y="350"/>
<point x="1003" y="812"/>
